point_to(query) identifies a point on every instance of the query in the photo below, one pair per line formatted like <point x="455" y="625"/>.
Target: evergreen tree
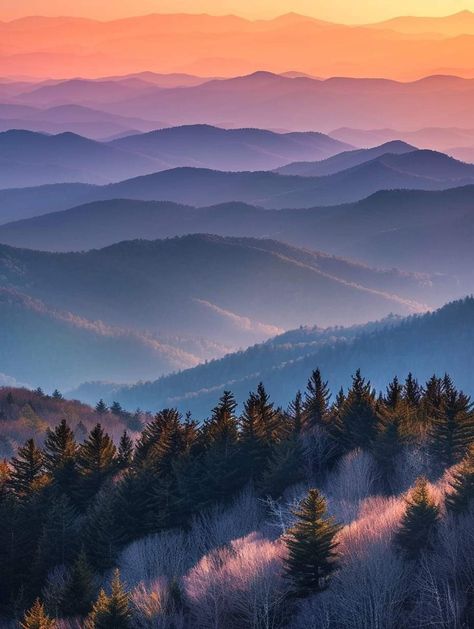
<point x="295" y="413"/>
<point x="57" y="395"/>
<point x="125" y="451"/>
<point x="412" y="391"/>
<point x="96" y="461"/>
<point x="357" y="417"/>
<point x="389" y="443"/>
<point x="462" y="496"/>
<point x="284" y="468"/>
<point x="28" y="472"/>
<point x="111" y="612"/>
<point x="394" y="394"/>
<point x="59" y="538"/>
<point x="452" y="427"/>
<point x="39" y="392"/>
<point x="101" y="531"/>
<point x="101" y="407"/>
<point x="116" y="409"/>
<point x="36" y="618"/>
<point x="221" y="470"/>
<point x="79" y="592"/>
<point x="60" y="454"/>
<point x="311" y="546"/>
<point x="419" y="523"/>
<point x="316" y="403"/>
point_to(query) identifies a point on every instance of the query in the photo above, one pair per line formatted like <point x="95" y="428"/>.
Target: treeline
<point x="73" y="507"/>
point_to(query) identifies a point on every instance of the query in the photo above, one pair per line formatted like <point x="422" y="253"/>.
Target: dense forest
<point x="351" y="510"/>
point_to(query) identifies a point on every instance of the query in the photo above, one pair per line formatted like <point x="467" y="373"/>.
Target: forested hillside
<point x="439" y="341"/>
<point x="312" y="516"/>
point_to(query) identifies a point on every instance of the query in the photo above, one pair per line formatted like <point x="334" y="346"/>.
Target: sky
<point x="345" y="11"/>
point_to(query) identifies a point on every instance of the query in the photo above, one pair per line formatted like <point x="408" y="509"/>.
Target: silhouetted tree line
<point x="76" y="505"/>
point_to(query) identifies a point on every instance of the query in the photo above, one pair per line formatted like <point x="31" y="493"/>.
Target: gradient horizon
<point x="343" y="11"/>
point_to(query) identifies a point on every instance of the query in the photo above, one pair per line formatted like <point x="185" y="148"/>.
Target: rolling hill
<point x="416" y="170"/>
<point x="30" y="159"/>
<point x="438" y="342"/>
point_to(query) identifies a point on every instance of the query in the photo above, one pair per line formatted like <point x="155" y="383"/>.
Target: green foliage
<point x="311" y="546"/>
<point x="36" y="618"/>
<point x="461" y="498"/>
<point x="101" y="407"/>
<point x="28" y="470"/>
<point x="60" y="456"/>
<point x="316" y="403"/>
<point x="284" y="468"/>
<point x="418" y="527"/>
<point x="357" y="415"/>
<point x="80" y="590"/>
<point x="125" y="451"/>
<point x="96" y="461"/>
<point x="111" y="612"/>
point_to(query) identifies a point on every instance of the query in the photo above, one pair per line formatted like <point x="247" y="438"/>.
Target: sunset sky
<point x="347" y="11"/>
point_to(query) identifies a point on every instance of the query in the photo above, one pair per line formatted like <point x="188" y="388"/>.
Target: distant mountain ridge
<point x="439" y="342"/>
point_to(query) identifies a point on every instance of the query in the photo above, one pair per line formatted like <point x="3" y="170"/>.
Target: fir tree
<point x="419" y="523"/>
<point x="357" y="416"/>
<point x="57" y="395"/>
<point x="462" y="495"/>
<point x="79" y="592"/>
<point x="36" y="618"/>
<point x="96" y="460"/>
<point x="101" y="531"/>
<point x="125" y="451"/>
<point x="101" y="407"/>
<point x="311" y="546"/>
<point x="394" y="394"/>
<point x="295" y="413"/>
<point x="412" y="391"/>
<point x="284" y="468"/>
<point x="28" y="472"/>
<point x="452" y="428"/>
<point x="60" y="454"/>
<point x="316" y="403"/>
<point x="111" y="612"/>
<point x="389" y="443"/>
<point x="116" y="409"/>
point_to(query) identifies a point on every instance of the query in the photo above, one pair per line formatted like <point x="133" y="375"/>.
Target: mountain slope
<point x="417" y="170"/>
<point x="233" y="291"/>
<point x="342" y="161"/>
<point x="439" y="342"/>
<point x="49" y="348"/>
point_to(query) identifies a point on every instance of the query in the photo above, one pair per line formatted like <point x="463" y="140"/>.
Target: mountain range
<point x="439" y="342"/>
<point x="29" y="158"/>
<point x="229" y="45"/>
<point x="415" y="169"/>
<point x="171" y="303"/>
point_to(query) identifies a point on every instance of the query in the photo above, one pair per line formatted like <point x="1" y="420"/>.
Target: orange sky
<point x="347" y="11"/>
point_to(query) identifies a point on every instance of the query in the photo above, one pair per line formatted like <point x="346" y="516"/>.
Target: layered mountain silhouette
<point x="47" y="347"/>
<point x="417" y="170"/>
<point x="228" y="45"/>
<point x="29" y="158"/>
<point x="439" y="342"/>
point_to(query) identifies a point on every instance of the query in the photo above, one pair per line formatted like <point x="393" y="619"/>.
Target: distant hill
<point x="28" y="158"/>
<point x="233" y="291"/>
<point x="49" y="348"/>
<point x="428" y="232"/>
<point x="229" y="149"/>
<point x="416" y="170"/>
<point x="342" y="161"/>
<point x="439" y="342"/>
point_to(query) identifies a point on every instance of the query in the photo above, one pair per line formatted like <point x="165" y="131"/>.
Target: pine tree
<point x="295" y="413"/>
<point x="116" y="409"/>
<point x="311" y="546"/>
<point x="462" y="496"/>
<point x="394" y="394"/>
<point x="28" y="472"/>
<point x="357" y="417"/>
<point x="284" y="468"/>
<point x="79" y="592"/>
<point x="412" y="391"/>
<point x="452" y="427"/>
<point x="101" y="531"/>
<point x="222" y="473"/>
<point x="96" y="461"/>
<point x="60" y="454"/>
<point x="57" y="395"/>
<point x="316" y="403"/>
<point x="389" y="443"/>
<point x="125" y="451"/>
<point x="111" y="612"/>
<point x="36" y="618"/>
<point x="419" y="523"/>
<point x="59" y="538"/>
<point x="101" y="407"/>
